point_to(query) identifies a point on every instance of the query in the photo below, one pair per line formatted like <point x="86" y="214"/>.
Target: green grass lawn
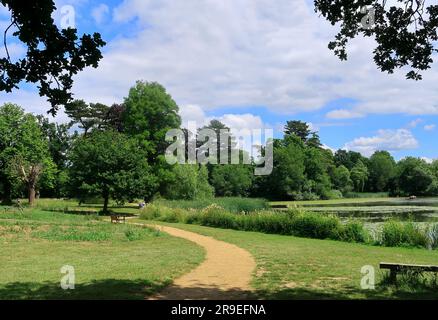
<point x="299" y="268"/>
<point x="110" y="261"/>
<point x="130" y="262"/>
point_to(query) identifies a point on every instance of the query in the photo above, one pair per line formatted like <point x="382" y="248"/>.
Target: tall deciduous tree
<point x="87" y="116"/>
<point x="317" y="162"/>
<point x="287" y="178"/>
<point x="110" y="165"/>
<point x="341" y="179"/>
<point x="359" y="175"/>
<point x="348" y="158"/>
<point x="24" y="151"/>
<point x="223" y="145"/>
<point x="189" y="182"/>
<point x="297" y="128"/>
<point x="59" y="141"/>
<point x="415" y="176"/>
<point x="381" y="169"/>
<point x="232" y="180"/>
<point x="149" y="113"/>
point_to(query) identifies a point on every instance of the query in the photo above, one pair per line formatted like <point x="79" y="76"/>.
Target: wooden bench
<point x="118" y="218"/>
<point x="402" y="267"/>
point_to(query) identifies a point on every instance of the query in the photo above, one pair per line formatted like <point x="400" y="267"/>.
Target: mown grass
<point x="111" y="261"/>
<point x="299" y="268"/>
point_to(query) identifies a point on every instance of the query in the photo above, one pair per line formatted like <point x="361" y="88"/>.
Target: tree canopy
<point x="405" y="31"/>
<point x="149" y="113"/>
<point x="24" y="152"/>
<point x="382" y="169"/>
<point x="189" y="182"/>
<point x="53" y="56"/>
<point x="111" y="165"/>
<point x="117" y="153"/>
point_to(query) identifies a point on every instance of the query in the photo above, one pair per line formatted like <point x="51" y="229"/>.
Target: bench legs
<point x="392" y="276"/>
<point x="118" y="219"/>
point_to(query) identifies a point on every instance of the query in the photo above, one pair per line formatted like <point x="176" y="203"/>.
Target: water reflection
<point x="419" y="210"/>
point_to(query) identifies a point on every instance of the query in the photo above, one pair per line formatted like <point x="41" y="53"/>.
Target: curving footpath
<point x="225" y="274"/>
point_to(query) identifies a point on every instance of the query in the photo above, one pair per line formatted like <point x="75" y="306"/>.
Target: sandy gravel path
<point x="225" y="273"/>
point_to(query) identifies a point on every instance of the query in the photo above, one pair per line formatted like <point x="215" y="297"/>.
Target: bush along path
<point x="224" y="275"/>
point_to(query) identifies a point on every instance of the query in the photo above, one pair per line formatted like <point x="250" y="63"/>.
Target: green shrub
<point x="354" y="231"/>
<point x="215" y="216"/>
<point x="309" y="196"/>
<point x="332" y="195"/>
<point x="264" y="221"/>
<point x="312" y="225"/>
<point x="392" y="234"/>
<point x="231" y="204"/>
<point x="296" y="222"/>
<point x="292" y="222"/>
<point x="192" y="217"/>
<point x="396" y="233"/>
<point x="152" y="212"/>
<point x="433" y="236"/>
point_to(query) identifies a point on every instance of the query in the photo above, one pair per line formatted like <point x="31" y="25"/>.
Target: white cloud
<point x="324" y="146"/>
<point x="244" y="53"/>
<point x="344" y="114"/>
<point x="192" y="113"/>
<point x="242" y="121"/>
<point x="429" y="127"/>
<point x="415" y="123"/>
<point x="389" y="140"/>
<point x="100" y="12"/>
<point x="4" y="12"/>
<point x="428" y="160"/>
<point x="246" y="121"/>
<point x="15" y="50"/>
<point x="241" y="125"/>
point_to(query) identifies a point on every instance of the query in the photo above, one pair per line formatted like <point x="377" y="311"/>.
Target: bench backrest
<point x="404" y="266"/>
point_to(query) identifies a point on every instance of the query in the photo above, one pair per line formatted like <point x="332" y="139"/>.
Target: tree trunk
<point x="32" y="193"/>
<point x="105" y="203"/>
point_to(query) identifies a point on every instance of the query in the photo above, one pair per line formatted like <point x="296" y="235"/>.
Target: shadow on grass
<point x="174" y="292"/>
<point x="382" y="292"/>
<point x="112" y="289"/>
<point x="90" y="212"/>
<point x="108" y="289"/>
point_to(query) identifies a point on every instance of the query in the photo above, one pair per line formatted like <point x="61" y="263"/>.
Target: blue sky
<point x="252" y="64"/>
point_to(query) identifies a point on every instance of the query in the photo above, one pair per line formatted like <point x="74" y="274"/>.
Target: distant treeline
<point x="117" y="152"/>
